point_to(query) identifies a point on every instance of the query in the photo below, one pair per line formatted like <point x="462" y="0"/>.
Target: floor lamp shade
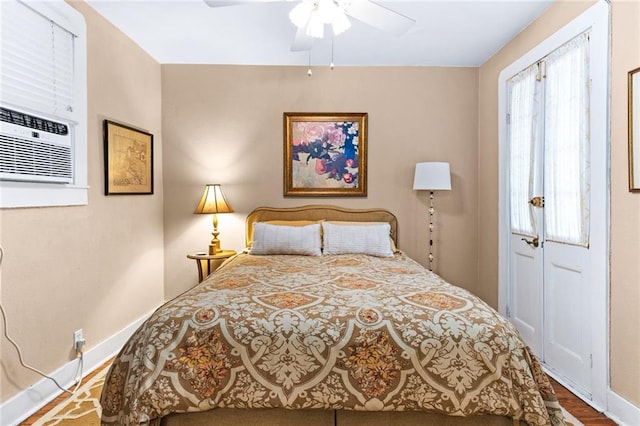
<point x="433" y="176"/>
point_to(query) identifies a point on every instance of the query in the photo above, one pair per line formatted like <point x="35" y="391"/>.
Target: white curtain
<point x="567" y="143"/>
<point x="523" y="117"/>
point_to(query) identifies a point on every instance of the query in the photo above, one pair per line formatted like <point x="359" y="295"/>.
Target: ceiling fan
<point x="311" y="16"/>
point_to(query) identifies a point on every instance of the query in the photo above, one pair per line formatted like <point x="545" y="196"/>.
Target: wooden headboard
<point x="320" y="212"/>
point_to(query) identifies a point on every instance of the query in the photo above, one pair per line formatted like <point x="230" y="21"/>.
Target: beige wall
<point x="223" y="124"/>
<point x="625" y="207"/>
<point x="96" y="267"/>
<point x="625" y="210"/>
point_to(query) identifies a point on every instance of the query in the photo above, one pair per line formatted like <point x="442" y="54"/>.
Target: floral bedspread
<point x="327" y="332"/>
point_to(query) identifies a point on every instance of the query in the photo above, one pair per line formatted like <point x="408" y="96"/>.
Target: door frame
<point x="597" y="18"/>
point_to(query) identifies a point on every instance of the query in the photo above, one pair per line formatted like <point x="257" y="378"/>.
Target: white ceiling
<point x="446" y="32"/>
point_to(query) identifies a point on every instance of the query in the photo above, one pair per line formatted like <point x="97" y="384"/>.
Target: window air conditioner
<point x="34" y="149"/>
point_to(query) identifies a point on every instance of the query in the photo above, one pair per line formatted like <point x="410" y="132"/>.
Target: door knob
<point x="535" y="242"/>
<point x="537" y="201"/>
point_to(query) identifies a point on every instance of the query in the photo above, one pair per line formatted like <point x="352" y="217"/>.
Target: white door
<point x="526" y="222"/>
<point x="526" y="304"/>
<point x="550" y="198"/>
<point x="567" y="191"/>
<point x="567" y="335"/>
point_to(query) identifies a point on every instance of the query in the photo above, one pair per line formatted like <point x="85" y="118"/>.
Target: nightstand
<point x="207" y="263"/>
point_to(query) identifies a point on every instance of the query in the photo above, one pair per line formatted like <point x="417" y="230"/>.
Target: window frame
<point x="36" y="194"/>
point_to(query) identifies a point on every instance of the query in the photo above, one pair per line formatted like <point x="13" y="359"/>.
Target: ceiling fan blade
<point x="302" y="41"/>
<point x="224" y="3"/>
<point x="378" y="16"/>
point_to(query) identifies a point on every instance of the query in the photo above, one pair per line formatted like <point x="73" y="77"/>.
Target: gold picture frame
<point x="128" y="158"/>
<point x="634" y="130"/>
<point x="325" y="154"/>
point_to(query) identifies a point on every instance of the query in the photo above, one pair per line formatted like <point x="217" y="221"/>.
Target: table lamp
<point x="213" y="202"/>
<point x="432" y="177"/>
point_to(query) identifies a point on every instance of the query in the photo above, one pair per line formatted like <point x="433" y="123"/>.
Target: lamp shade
<point x="432" y="176"/>
<point x="213" y="201"/>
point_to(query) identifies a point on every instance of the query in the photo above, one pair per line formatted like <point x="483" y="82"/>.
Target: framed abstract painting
<point x="325" y="154"/>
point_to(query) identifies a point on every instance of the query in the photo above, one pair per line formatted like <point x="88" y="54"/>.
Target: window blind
<point x="37" y="62"/>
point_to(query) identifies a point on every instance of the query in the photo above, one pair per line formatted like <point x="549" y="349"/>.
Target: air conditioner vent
<point x="31" y="160"/>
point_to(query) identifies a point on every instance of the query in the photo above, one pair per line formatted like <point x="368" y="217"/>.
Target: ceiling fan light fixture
<point x="327" y="10"/>
<point x="313" y="15"/>
<point x="340" y="22"/>
<point x="301" y="14"/>
<point x="315" y="26"/>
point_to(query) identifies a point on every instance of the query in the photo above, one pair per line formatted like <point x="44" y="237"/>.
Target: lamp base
<point x="431" y="213"/>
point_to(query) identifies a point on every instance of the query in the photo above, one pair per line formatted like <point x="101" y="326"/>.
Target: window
<point x="523" y="116"/>
<point x="43" y="79"/>
<point x="567" y="143"/>
<point x="549" y="128"/>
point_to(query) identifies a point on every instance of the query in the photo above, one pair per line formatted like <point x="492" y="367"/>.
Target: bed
<point x="351" y="332"/>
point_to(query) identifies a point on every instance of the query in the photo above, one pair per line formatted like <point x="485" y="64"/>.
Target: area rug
<point x="83" y="409"/>
<point x="570" y="420"/>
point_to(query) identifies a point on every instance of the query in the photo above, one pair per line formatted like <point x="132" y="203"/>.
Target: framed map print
<point x="325" y="154"/>
<point x="128" y="157"/>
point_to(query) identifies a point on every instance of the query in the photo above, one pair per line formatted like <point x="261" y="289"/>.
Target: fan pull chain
<point x="309" y="73"/>
<point x="332" y="65"/>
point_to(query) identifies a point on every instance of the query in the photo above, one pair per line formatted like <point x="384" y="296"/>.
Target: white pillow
<point x="368" y="239"/>
<point x="279" y="239"/>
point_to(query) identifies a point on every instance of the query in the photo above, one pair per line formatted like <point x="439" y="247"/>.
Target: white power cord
<point x="79" y="353"/>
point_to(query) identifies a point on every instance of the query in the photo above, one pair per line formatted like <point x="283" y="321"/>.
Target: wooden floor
<point x="574" y="405"/>
<point x="578" y="408"/>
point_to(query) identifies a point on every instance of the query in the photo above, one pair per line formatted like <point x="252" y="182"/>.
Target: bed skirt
<point x="283" y="417"/>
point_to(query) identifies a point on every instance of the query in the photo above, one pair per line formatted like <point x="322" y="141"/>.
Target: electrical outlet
<point x="78" y="340"/>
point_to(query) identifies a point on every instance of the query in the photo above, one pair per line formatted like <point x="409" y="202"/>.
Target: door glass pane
<point x="566" y="171"/>
<point x="522" y="135"/>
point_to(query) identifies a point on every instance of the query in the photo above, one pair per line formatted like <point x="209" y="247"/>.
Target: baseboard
<point x="622" y="411"/>
<point x="29" y="401"/>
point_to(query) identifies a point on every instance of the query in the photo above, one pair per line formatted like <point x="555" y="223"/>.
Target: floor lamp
<point x="432" y="177"/>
